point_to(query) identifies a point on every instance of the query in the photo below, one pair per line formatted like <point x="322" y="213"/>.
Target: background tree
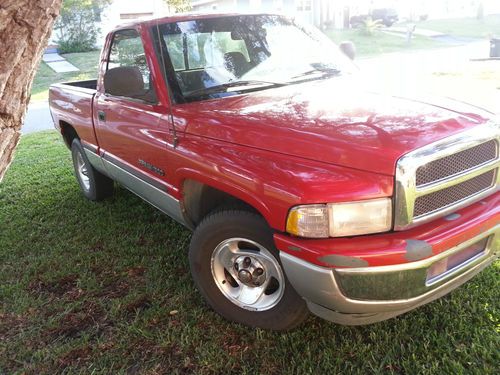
<point x="179" y="5"/>
<point x="25" y="26"/>
<point x="77" y="27"/>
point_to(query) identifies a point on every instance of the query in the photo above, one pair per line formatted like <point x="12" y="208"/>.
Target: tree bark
<point x="25" y="26"/>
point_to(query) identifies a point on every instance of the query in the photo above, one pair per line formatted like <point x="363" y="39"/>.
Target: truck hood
<point x="333" y="121"/>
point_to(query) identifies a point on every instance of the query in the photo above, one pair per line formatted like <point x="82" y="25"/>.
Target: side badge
<point x="151" y="167"/>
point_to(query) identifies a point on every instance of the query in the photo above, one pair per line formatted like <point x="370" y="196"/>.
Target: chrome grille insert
<point x="447" y="175"/>
<point x="457" y="163"/>
<point x="440" y="199"/>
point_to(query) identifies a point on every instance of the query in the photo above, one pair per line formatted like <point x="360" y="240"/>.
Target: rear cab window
<point x="202" y="50"/>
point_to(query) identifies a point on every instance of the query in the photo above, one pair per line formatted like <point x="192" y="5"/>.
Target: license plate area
<point x="455" y="262"/>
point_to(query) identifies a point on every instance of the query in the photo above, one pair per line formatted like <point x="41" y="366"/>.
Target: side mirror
<point x="348" y="49"/>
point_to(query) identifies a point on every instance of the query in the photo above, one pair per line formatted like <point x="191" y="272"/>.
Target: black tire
<point x="219" y="226"/>
<point x="98" y="186"/>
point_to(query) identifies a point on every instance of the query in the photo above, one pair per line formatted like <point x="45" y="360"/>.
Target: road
<point x="37" y="118"/>
<point x="445" y="72"/>
<point x="440" y="72"/>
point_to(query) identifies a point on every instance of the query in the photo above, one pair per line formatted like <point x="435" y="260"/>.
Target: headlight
<point x="340" y="219"/>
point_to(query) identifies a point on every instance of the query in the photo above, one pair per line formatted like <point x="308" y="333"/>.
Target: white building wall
<point x="124" y="11"/>
<point x="309" y="11"/>
<point x="214" y="6"/>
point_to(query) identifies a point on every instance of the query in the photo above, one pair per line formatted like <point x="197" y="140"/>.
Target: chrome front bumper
<point x="356" y="296"/>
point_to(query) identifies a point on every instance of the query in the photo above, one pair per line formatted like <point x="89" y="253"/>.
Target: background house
<point x="123" y="11"/>
<point x="317" y="12"/>
<point x="322" y="13"/>
<point x="336" y="13"/>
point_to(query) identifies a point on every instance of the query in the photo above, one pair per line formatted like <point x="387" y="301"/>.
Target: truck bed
<point x="72" y="103"/>
<point x="88" y="84"/>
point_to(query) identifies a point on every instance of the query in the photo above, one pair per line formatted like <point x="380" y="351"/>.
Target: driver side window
<point x="128" y="73"/>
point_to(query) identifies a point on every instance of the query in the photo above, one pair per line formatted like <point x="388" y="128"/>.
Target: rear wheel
<point x="237" y="269"/>
<point x="94" y="185"/>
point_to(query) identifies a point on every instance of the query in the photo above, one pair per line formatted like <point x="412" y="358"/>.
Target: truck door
<point x="132" y="121"/>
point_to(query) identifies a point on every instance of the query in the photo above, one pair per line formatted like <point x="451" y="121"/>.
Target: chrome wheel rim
<point x="247" y="274"/>
<point x="82" y="172"/>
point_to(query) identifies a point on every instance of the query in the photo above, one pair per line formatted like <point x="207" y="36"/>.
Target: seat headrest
<point x="235" y="62"/>
<point x="124" y="81"/>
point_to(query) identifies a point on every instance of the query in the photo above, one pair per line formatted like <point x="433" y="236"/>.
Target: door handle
<point x="101" y="115"/>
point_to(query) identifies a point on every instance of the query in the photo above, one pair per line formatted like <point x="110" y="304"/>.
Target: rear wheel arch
<point x="68" y="133"/>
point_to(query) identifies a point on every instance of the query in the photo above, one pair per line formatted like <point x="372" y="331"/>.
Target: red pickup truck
<point x="305" y="192"/>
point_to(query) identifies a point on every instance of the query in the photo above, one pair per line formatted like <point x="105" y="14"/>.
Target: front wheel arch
<point x="200" y="199"/>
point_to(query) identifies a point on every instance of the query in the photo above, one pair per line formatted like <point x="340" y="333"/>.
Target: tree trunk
<point x="25" y="26"/>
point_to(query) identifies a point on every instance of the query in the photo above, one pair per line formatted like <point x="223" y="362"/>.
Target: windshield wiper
<point x="322" y="72"/>
<point x="223" y="87"/>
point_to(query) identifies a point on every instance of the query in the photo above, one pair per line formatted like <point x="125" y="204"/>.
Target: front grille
<point x="447" y="175"/>
<point x="441" y="199"/>
<point x="460" y="162"/>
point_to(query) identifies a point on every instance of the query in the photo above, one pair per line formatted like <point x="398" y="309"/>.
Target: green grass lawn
<point x="87" y="62"/>
<point x="105" y="288"/>
<point x="465" y="27"/>
<point x="380" y="42"/>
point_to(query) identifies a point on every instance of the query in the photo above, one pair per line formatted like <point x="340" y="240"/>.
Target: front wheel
<point x="237" y="269"/>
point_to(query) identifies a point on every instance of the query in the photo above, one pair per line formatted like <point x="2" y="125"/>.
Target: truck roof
<point x="178" y="17"/>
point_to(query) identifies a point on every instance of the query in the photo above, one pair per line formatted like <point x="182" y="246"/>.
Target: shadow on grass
<point x="106" y="287"/>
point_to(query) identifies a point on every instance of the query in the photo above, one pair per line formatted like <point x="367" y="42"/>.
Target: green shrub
<point x="72" y="45"/>
<point x="369" y="26"/>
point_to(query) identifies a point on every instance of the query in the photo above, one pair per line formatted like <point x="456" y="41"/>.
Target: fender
<point x="270" y="182"/>
<point x="184" y="174"/>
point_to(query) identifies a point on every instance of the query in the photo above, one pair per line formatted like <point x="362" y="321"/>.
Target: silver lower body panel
<point x="324" y="289"/>
<point x="151" y="194"/>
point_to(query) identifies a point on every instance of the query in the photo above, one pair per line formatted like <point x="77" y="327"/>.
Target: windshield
<point x="227" y="55"/>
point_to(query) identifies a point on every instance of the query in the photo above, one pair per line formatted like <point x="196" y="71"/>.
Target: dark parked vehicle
<point x="387" y="16"/>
